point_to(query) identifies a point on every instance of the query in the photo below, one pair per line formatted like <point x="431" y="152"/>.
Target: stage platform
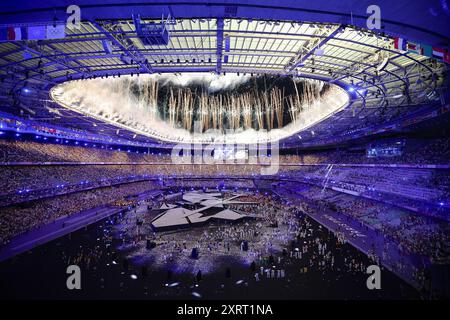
<point x="210" y="207"/>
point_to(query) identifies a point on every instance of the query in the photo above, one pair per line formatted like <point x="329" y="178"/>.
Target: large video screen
<point x="230" y="153"/>
<point x="385" y="149"/>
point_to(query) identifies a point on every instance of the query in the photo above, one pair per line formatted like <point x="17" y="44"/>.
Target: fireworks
<point x="226" y="110"/>
<point x="257" y="109"/>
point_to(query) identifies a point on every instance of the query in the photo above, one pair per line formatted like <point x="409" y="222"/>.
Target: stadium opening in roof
<point x="205" y="107"/>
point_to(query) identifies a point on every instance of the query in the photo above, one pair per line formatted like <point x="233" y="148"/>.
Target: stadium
<point x="197" y="150"/>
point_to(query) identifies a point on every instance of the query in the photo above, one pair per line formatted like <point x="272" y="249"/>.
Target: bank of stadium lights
<point x="369" y="33"/>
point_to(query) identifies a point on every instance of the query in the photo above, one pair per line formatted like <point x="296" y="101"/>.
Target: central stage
<point x="208" y="206"/>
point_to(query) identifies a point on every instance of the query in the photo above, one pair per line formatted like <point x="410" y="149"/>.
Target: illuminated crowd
<point x="16" y="220"/>
<point x="33" y="193"/>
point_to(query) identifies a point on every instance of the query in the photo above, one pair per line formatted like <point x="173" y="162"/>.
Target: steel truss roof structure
<point x="383" y="83"/>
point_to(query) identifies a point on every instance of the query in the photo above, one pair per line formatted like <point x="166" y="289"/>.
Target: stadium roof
<point x="280" y="37"/>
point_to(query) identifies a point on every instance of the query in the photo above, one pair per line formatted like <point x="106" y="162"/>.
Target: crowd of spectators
<point x="414" y="234"/>
<point x="18" y="219"/>
<point x="209" y="183"/>
<point x="35" y="180"/>
<point x="22" y="183"/>
<point x="423" y="190"/>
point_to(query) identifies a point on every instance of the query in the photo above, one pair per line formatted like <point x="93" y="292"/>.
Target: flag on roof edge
<point x="400" y="44"/>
